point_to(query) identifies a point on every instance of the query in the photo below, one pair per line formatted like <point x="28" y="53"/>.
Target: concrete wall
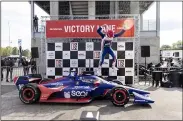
<point x="154" y="43"/>
<point x="91" y="9"/>
<point x="54" y="10"/>
<point x="41" y="61"/>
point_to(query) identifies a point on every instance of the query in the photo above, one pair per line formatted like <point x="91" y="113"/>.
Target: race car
<point x="82" y="88"/>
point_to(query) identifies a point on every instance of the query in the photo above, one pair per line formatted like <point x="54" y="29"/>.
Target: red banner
<point x="84" y="28"/>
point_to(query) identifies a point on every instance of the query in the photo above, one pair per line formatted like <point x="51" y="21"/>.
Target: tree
<point x="165" y="47"/>
<point x="7" y="51"/>
<point x="26" y="53"/>
<point x="15" y="51"/>
<point x="2" y="51"/>
<point x="177" y="45"/>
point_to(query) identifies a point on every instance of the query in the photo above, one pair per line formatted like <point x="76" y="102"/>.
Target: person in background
<point x="32" y="63"/>
<point x="35" y="21"/>
<point x="2" y="68"/>
<point x="9" y="66"/>
<point x="25" y="66"/>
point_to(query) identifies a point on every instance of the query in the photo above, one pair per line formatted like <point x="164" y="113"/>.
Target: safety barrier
<point x="8" y="73"/>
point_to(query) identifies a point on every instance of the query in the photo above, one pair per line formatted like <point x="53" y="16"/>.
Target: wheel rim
<point x="119" y="96"/>
<point x="28" y="94"/>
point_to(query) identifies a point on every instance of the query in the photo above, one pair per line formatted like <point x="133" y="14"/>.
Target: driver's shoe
<point x="113" y="67"/>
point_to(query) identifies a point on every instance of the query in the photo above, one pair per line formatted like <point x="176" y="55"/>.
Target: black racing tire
<point x="29" y="94"/>
<point x="117" y="82"/>
<point x="119" y="96"/>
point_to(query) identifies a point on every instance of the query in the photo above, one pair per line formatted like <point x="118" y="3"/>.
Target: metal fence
<point x="8" y="73"/>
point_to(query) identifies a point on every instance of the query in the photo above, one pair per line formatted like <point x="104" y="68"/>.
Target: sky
<point x="170" y="21"/>
<point x="17" y="14"/>
<point x="16" y="18"/>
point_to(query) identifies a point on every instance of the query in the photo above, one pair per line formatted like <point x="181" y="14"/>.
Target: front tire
<point x="119" y="96"/>
<point x="29" y="94"/>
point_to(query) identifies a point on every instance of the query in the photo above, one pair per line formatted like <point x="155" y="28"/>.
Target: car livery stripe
<point x="66" y="100"/>
<point x="106" y="91"/>
<point x="16" y="80"/>
<point x="33" y="79"/>
<point x="46" y="92"/>
<point x="54" y="80"/>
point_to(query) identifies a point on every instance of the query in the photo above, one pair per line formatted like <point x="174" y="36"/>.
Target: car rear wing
<point x="23" y="80"/>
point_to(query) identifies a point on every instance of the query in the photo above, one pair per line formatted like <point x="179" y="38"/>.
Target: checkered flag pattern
<point x="61" y="57"/>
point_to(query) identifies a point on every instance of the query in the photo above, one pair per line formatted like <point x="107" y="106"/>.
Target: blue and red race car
<point x="76" y="89"/>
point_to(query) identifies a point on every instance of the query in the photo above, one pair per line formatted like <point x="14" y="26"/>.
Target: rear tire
<point x="29" y="94"/>
<point x="119" y="96"/>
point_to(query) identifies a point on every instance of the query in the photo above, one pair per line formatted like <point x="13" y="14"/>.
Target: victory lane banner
<point x="85" y="28"/>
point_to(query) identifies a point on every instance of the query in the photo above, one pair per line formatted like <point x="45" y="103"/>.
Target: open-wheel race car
<point x="75" y="88"/>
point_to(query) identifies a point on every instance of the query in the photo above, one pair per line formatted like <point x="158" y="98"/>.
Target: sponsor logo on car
<point x="140" y="100"/>
<point x="77" y="83"/>
<point x="20" y="86"/>
<point x="77" y="87"/>
<point x="67" y="94"/>
<point x="79" y="93"/>
<point x="57" y="84"/>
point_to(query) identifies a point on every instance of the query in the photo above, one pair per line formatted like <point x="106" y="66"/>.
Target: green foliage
<point x="165" y="47"/>
<point x="26" y="53"/>
<point x="7" y="51"/>
<point x="175" y="46"/>
<point x="15" y="51"/>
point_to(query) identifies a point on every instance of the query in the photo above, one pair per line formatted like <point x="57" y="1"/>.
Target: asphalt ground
<point x="167" y="106"/>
